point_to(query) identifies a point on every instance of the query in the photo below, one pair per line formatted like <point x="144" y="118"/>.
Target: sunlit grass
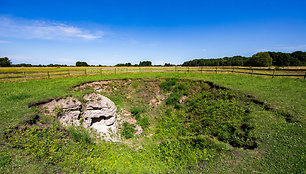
<point x="281" y="150"/>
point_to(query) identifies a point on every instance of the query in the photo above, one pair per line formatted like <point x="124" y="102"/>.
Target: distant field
<point x="30" y="73"/>
<point x="27" y="69"/>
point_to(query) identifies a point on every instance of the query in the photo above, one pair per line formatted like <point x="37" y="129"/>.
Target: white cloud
<point x="4" y="42"/>
<point x="40" y="29"/>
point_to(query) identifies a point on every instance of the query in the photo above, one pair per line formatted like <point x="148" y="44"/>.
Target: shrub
<point x="168" y="84"/>
<point x="144" y="122"/>
<point x="128" y="130"/>
<point x="137" y="110"/>
<point x="80" y="134"/>
<point x="173" y="98"/>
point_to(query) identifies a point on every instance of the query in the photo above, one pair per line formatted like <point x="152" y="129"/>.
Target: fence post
<point x="233" y="69"/>
<point x="252" y="72"/>
<point x="274" y="70"/>
<point x="201" y="69"/>
<point x="85" y="72"/>
<point x="174" y="68"/>
<point x="115" y="70"/>
<point x="68" y="72"/>
<point x="188" y="69"/>
<point x="305" y="76"/>
<point x="24" y="76"/>
<point x="101" y="71"/>
<point x="48" y="73"/>
<point x="216" y="69"/>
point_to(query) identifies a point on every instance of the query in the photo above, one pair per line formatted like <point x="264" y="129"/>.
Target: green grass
<point x="128" y="130"/>
<point x="281" y="148"/>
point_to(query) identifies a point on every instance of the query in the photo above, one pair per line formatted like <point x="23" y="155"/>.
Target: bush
<point x="128" y="130"/>
<point x="168" y="84"/>
<point x="143" y="122"/>
<point x="137" y="111"/>
<point x="173" y="98"/>
<point x="79" y="134"/>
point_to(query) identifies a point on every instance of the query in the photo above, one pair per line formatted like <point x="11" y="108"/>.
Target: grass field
<point x="280" y="132"/>
<point x="9" y="74"/>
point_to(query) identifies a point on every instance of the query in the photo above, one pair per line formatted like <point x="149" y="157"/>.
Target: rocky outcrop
<point x="98" y="113"/>
<point x="71" y="111"/>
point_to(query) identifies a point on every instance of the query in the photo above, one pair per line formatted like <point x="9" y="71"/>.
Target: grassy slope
<point x="282" y="148"/>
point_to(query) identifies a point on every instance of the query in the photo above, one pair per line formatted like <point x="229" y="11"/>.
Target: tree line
<point x="141" y="63"/>
<point x="260" y="59"/>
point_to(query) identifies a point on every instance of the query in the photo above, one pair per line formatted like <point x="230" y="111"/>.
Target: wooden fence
<point x="29" y="75"/>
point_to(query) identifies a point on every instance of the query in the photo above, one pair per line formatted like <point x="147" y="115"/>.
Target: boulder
<point x="99" y="109"/>
<point x="99" y="113"/>
<point x="71" y="110"/>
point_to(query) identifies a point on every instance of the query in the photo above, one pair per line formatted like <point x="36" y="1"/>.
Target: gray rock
<point x="99" y="109"/>
<point x="70" y="118"/>
<point x="99" y="113"/>
<point x="71" y="104"/>
<point x="70" y="111"/>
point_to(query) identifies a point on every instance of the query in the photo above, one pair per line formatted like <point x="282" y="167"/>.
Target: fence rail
<point x="28" y="75"/>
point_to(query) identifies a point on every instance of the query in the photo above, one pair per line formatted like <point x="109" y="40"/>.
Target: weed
<point x="40" y="142"/>
<point x="135" y="84"/>
<point x="137" y="111"/>
<point x="80" y="134"/>
<point x="4" y="159"/>
<point x="143" y="122"/>
<point x="128" y="130"/>
<point x="167" y="85"/>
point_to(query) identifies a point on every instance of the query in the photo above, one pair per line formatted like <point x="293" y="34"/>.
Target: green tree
<point x="261" y="59"/>
<point x="169" y="64"/>
<point x="78" y="63"/>
<point x="124" y="64"/>
<point x="5" y="62"/>
<point x="145" y="63"/>
<point x="299" y="58"/>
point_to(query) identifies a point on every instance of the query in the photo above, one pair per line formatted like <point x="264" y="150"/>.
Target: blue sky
<point x="108" y="32"/>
